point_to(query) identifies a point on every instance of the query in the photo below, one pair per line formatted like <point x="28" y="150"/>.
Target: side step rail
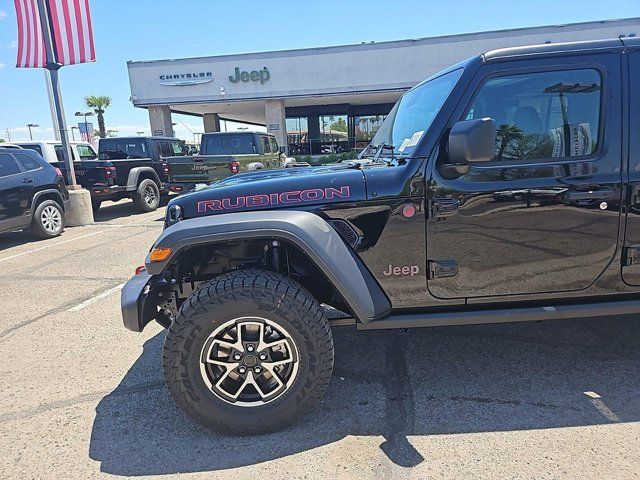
<point x="528" y="314"/>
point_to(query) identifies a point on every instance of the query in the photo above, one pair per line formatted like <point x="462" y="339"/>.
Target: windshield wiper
<point x="381" y="148"/>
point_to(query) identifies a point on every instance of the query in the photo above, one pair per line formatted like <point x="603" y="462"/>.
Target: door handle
<point x="27" y="180"/>
<point x="602" y="194"/>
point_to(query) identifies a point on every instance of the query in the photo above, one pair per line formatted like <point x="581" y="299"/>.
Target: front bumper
<point x="137" y="308"/>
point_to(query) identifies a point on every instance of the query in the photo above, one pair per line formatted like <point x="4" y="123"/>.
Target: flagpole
<point x="54" y="119"/>
<point x="53" y="68"/>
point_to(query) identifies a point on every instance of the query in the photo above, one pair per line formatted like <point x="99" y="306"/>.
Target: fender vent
<point x="346" y="231"/>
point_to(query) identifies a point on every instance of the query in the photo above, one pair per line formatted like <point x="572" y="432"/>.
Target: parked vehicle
<point x="96" y="176"/>
<point x="223" y="154"/>
<point x="471" y="213"/>
<point x="9" y="145"/>
<point x="141" y="168"/>
<point x="32" y="194"/>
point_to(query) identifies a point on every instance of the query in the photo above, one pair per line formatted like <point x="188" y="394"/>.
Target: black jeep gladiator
<point x="502" y="189"/>
<point x="141" y="170"/>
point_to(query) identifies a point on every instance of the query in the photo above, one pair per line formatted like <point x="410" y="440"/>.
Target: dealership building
<point x="323" y="100"/>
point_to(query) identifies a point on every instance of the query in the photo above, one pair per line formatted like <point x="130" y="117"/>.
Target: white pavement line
<point x="91" y="300"/>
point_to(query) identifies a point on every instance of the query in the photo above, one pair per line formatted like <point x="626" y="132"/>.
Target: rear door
<point x="15" y="187"/>
<point x="542" y="216"/>
<point x="631" y="259"/>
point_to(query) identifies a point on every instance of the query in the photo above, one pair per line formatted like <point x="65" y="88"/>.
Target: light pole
<point x="86" y="125"/>
<point x="32" y="125"/>
<point x="73" y="136"/>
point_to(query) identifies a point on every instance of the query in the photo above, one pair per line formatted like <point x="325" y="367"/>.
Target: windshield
<point x="228" y="145"/>
<point x="118" y="149"/>
<point x="414" y="113"/>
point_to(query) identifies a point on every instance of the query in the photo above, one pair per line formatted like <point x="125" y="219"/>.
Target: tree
<point x="1" y="140"/>
<point x="504" y="136"/>
<point x="99" y="103"/>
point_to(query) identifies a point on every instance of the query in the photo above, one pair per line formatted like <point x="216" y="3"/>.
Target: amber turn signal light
<point x="160" y="254"/>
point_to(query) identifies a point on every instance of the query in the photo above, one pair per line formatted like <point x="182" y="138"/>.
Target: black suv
<point x="32" y="194"/>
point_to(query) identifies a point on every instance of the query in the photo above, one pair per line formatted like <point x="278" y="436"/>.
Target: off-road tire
<point x="42" y="228"/>
<point x="142" y="196"/>
<point x="239" y="294"/>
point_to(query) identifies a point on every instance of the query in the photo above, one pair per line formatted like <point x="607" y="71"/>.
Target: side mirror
<point x="283" y="149"/>
<point x="472" y="141"/>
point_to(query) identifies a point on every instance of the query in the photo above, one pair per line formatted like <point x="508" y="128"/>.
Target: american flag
<point x="70" y="24"/>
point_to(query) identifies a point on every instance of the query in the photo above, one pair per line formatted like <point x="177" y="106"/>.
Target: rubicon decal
<point x="263" y="200"/>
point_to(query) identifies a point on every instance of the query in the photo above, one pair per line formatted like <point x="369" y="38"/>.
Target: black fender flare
<point x="315" y="237"/>
<point x="134" y="177"/>
<point x="40" y="193"/>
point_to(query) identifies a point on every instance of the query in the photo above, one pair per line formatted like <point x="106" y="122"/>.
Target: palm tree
<point x="505" y="134"/>
<point x="99" y="103"/>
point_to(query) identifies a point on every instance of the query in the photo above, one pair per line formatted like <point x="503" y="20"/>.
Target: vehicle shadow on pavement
<point x="396" y="385"/>
<point x="123" y="209"/>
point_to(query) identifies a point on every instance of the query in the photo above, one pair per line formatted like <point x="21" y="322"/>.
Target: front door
<point x="543" y="215"/>
<point x="14" y="193"/>
<point x="631" y="262"/>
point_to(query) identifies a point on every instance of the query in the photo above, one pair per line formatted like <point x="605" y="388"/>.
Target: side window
<point x="164" y="149"/>
<point x="86" y="152"/>
<point x="542" y="115"/>
<point x="33" y="147"/>
<point x="28" y="163"/>
<point x="58" y="149"/>
<point x="265" y="144"/>
<point x="274" y="145"/>
<point x="8" y="165"/>
<point x="178" y="148"/>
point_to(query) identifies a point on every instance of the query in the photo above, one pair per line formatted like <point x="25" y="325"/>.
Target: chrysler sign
<point x="185" y="79"/>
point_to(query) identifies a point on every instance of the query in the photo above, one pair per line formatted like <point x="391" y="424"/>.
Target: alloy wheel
<point x="51" y="219"/>
<point x="249" y="361"/>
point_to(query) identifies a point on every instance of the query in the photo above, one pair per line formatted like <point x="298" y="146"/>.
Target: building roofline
<point x="393" y="43"/>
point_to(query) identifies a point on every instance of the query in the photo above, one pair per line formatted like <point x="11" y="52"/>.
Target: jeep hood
<point x="296" y="187"/>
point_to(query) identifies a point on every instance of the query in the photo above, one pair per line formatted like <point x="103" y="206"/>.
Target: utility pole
<point x="57" y="94"/>
<point x="8" y="134"/>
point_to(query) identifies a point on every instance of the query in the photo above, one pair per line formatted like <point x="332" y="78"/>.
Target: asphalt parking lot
<point x="81" y="397"/>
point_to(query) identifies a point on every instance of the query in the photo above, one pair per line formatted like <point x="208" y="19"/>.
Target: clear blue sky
<point x="155" y="29"/>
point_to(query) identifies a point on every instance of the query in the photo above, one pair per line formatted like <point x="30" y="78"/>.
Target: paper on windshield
<point x="415" y="138"/>
<point x="404" y="144"/>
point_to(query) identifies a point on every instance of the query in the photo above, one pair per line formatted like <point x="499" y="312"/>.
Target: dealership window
<point x="298" y="136"/>
<point x="334" y="134"/>
<point x="542" y="115"/>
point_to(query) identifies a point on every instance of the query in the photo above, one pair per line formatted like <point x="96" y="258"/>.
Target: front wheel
<point x="48" y="220"/>
<point x="249" y="352"/>
<point x="146" y="198"/>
